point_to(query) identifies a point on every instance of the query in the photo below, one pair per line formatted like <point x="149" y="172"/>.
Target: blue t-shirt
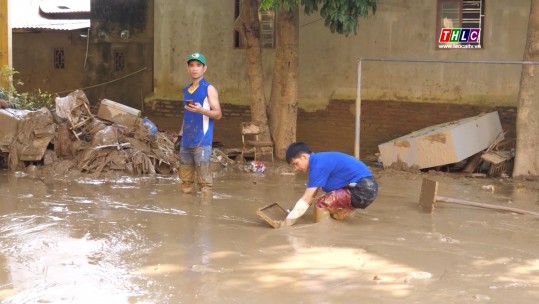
<point x="335" y="170"/>
<point x="197" y="128"/>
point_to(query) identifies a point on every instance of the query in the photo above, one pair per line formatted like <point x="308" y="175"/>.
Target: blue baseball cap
<point x="198" y="57"/>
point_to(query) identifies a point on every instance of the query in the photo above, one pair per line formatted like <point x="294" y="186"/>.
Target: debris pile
<point x="71" y="139"/>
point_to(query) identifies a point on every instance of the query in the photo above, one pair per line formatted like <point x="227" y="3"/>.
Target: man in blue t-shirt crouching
<point x="348" y="182"/>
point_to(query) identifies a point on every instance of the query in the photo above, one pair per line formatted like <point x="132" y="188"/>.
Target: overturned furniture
<point x="250" y="137"/>
<point x="75" y="108"/>
<point x="443" y="144"/>
<point x="428" y="197"/>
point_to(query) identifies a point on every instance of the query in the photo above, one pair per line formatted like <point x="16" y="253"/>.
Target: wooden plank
<point x="428" y="195"/>
<point x="473" y="162"/>
<point x="496" y="157"/>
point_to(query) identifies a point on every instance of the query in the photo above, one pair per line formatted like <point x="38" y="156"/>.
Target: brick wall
<point x="168" y="115"/>
<point x="382" y="121"/>
<point x="333" y="128"/>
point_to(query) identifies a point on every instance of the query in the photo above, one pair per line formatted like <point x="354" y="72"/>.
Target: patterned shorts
<point x="360" y="196"/>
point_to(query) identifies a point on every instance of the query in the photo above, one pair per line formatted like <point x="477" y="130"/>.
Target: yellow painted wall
<point x="328" y="62"/>
<point x="34" y="61"/>
<point x="4" y="46"/>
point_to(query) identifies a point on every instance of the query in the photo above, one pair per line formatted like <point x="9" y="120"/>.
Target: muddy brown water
<point x="139" y="240"/>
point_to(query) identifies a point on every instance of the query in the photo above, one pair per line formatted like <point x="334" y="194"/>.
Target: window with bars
<point x="119" y="60"/>
<point x="460" y="24"/>
<point x="59" y="59"/>
<point x="267" y="28"/>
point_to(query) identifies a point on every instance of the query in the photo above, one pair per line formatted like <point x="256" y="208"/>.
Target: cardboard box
<point x="442" y="144"/>
<point x="33" y="138"/>
<point x="118" y="113"/>
<point x="9" y="120"/>
<point x="26" y="133"/>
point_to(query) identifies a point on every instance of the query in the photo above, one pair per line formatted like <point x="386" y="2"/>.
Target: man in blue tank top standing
<point x="347" y="182"/>
<point x="201" y="108"/>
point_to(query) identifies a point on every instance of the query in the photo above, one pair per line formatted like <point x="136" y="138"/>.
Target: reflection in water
<point x="140" y="240"/>
<point x="63" y="242"/>
<point x="46" y="264"/>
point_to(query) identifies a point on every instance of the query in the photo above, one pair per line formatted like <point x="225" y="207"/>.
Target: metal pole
<point x="358" y="112"/>
<point x="446" y="61"/>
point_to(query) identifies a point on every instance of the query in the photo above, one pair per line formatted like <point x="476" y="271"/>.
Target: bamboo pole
<point x="481" y="205"/>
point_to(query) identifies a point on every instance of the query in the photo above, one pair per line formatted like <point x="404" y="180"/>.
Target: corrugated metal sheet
<point x="27" y="14"/>
<point x="65" y="6"/>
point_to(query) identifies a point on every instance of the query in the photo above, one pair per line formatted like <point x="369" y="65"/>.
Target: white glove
<point x="299" y="209"/>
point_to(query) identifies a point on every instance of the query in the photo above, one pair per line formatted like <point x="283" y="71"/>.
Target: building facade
<point x="409" y="78"/>
<point x="133" y="52"/>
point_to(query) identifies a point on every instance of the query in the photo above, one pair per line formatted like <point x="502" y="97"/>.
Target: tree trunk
<point x="283" y="105"/>
<point x="527" y="145"/>
<point x="248" y="26"/>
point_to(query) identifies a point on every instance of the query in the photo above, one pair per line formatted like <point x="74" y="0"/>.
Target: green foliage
<point x="28" y="100"/>
<point x="35" y="100"/>
<point x="343" y="16"/>
<point x="6" y="74"/>
<point x="340" y="16"/>
<point x="277" y="5"/>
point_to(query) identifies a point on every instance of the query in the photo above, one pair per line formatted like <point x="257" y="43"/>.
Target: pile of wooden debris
<point x="71" y="139"/>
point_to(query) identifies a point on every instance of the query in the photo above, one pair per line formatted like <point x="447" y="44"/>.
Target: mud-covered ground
<point x="139" y="240"/>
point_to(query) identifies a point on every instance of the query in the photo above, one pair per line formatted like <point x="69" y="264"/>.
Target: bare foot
<point x="340" y="214"/>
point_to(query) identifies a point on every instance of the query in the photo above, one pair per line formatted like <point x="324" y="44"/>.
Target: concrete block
<point x="442" y="144"/>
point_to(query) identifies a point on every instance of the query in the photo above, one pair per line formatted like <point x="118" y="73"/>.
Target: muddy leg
<point x="205" y="179"/>
<point x="339" y="213"/>
<point x="187" y="170"/>
<point x="202" y="158"/>
<point x="187" y="176"/>
<point x="337" y="202"/>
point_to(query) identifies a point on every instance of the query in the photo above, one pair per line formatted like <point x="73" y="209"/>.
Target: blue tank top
<point x="197" y="128"/>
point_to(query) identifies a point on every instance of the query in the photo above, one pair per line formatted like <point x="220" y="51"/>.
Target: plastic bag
<point x="150" y="125"/>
